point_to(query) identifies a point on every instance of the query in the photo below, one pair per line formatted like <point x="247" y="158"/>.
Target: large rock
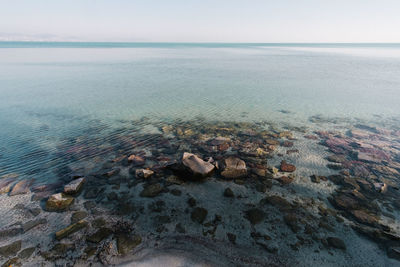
<point x="74" y="186"/>
<point x="59" y="202"/>
<point x="234" y="168"/>
<point x="71" y="229"/>
<point x="197" y="167"/>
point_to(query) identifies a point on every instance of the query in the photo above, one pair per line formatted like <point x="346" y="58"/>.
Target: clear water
<point x="52" y="91"/>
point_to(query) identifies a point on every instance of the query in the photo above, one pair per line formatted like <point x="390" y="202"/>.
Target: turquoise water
<point x="52" y="91"/>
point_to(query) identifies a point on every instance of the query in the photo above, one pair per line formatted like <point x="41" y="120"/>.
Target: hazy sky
<point x="201" y="20"/>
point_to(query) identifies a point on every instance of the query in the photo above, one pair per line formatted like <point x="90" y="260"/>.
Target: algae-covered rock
<point x="101" y="234"/>
<point x="71" y="229"/>
<point x="127" y="243"/>
<point x="10" y="249"/>
<point x="151" y="190"/>
<point x="336" y="243"/>
<point x="59" y="202"/>
<point x="78" y="215"/>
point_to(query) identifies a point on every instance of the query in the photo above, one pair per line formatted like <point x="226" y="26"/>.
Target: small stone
<point x="228" y="192"/>
<point x="78" y="215"/>
<point x="59" y="202"/>
<point x="286" y="167"/>
<point x="380" y="187"/>
<point x="336" y="243"/>
<point x="101" y="234"/>
<point x="234" y="168"/>
<point x="180" y="229"/>
<point x="127" y="243"/>
<point x="192" y="202"/>
<point x="143" y="173"/>
<point x="21" y="188"/>
<point x="174" y="180"/>
<point x="292" y="221"/>
<point x="13" y="262"/>
<point x="336" y="158"/>
<point x="151" y="190"/>
<point x="277" y="201"/>
<point x="285" y="180"/>
<point x="74" y="187"/>
<point x="231" y="237"/>
<point x="255" y="216"/>
<point x="199" y="214"/>
<point x="89" y="205"/>
<point x="5" y="185"/>
<point x="33" y="223"/>
<point x="315" y="179"/>
<point x="365" y="218"/>
<point x="26" y="253"/>
<point x="11" y="249"/>
<point x="71" y="229"/>
<point x="287" y="144"/>
<point x="176" y="192"/>
<point x="10" y="232"/>
<point x="98" y="222"/>
<point x="136" y="160"/>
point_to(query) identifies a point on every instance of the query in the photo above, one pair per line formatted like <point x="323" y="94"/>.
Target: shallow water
<point x="52" y="91"/>
<point x="68" y="108"/>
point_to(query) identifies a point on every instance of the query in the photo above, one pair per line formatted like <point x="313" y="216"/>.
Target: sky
<point x="262" y="21"/>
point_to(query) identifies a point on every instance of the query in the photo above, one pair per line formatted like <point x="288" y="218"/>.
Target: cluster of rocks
<point x="141" y="190"/>
<point x="367" y="159"/>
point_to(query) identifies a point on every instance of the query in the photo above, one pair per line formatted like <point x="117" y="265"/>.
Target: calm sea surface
<point x="53" y="91"/>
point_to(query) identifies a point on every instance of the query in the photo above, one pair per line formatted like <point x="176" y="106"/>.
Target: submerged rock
<point x="5" y="185"/>
<point x="255" y="215"/>
<point x="151" y="190"/>
<point x="10" y="249"/>
<point x="127" y="243"/>
<point x="21" y="188"/>
<point x="136" y="160"/>
<point x="33" y="223"/>
<point x="78" y="215"/>
<point x="228" y="192"/>
<point x="59" y="202"/>
<point x="286" y="167"/>
<point x="234" y="168"/>
<point x="197" y="167"/>
<point x="143" y="173"/>
<point x="101" y="234"/>
<point x="336" y="243"/>
<point x="199" y="215"/>
<point x="74" y="187"/>
<point x="71" y="229"/>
